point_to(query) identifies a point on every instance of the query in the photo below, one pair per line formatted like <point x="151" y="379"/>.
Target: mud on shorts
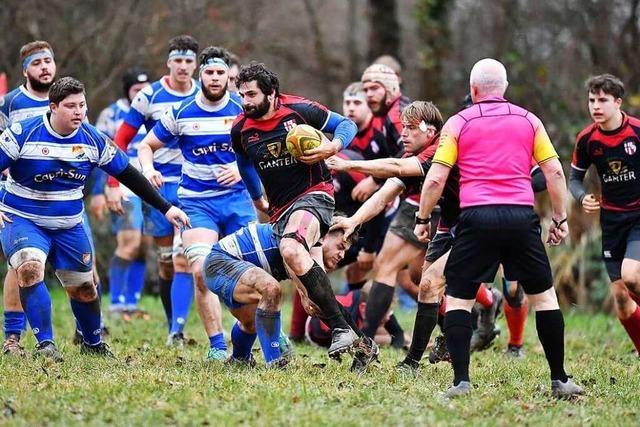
<point x="405" y="222"/>
<point x="620" y="240"/>
<point x="320" y="205"/>
<point x="487" y="236"/>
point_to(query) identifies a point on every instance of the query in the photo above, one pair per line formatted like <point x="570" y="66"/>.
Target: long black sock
<point x="356" y="285"/>
<point x="395" y="330"/>
<point x="426" y="319"/>
<point x="378" y="303"/>
<point x="550" y="327"/>
<point x="164" y="289"/>
<point x="457" y="331"/>
<point x="318" y="286"/>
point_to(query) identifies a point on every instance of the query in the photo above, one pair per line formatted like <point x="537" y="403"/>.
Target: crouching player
<point x="244" y="269"/>
<point x="49" y="159"/>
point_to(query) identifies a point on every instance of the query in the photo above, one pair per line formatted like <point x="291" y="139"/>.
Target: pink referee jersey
<point x="493" y="143"/>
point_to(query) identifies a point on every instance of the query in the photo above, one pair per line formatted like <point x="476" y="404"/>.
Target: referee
<point x="493" y="144"/>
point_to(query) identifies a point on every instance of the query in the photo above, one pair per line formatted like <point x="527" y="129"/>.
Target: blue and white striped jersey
<point x="204" y="136"/>
<point x="146" y="109"/>
<point x="110" y="120"/>
<point x="256" y="244"/>
<point x="20" y="104"/>
<point x="48" y="171"/>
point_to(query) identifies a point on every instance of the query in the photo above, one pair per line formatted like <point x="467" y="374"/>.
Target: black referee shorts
<point x="487" y="236"/>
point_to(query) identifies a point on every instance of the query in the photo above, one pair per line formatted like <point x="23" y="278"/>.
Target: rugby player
<point x="174" y="279"/>
<point x="27" y="100"/>
<point x="244" y="269"/>
<point x="495" y="138"/>
<point x="210" y="189"/>
<point x="610" y="144"/>
<point x="299" y="191"/>
<point x="127" y="267"/>
<point x="49" y="159"/>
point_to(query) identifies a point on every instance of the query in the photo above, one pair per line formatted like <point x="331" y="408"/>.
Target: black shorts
<point x="404" y="223"/>
<point x="487" y="236"/>
<point x="620" y="239"/>
<point x="439" y="245"/>
<point x="319" y="205"/>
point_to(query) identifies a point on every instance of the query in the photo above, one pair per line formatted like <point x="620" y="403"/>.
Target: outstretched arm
<point x="379" y="168"/>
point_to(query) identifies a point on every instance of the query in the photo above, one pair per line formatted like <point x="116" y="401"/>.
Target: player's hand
<point x="365" y="260"/>
<point x="154" y="177"/>
<point x="422" y="232"/>
<point x="178" y="218"/>
<point x="114" y="196"/>
<point x="558" y="231"/>
<point x="228" y="175"/>
<point x="590" y="204"/>
<point x="337" y="164"/>
<point x="4" y="218"/>
<point x="364" y="189"/>
<point x="261" y="204"/>
<point x="347" y="225"/>
<point x="98" y="206"/>
<point x="323" y="151"/>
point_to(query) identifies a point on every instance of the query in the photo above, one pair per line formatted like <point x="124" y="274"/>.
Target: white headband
<point x="37" y="55"/>
<point x="182" y="54"/>
<point x="210" y="62"/>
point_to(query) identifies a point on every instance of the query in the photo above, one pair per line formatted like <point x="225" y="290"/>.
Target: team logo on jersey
<point x="78" y="151"/>
<point x="45" y="151"/>
<point x="598" y="152"/>
<point x="196" y="126"/>
<point x="374" y="146"/>
<point x="630" y="148"/>
<point x="16" y="128"/>
<point x="289" y="124"/>
<point x="615" y="166"/>
<point x="253" y="138"/>
<point x="275" y="148"/>
<point x="86" y="258"/>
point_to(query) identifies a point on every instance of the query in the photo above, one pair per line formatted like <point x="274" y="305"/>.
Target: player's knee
<point x="620" y="293"/>
<point x="129" y="248"/>
<point x="30" y="273"/>
<point x="631" y="277"/>
<point x="429" y="292"/>
<point x="86" y="292"/>
<point x="271" y="295"/>
<point x="293" y="253"/>
<point x="544" y="301"/>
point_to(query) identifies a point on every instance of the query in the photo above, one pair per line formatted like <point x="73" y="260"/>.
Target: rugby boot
<point x="216" y="355"/>
<point x="565" y="390"/>
<point x="101" y="349"/>
<point x="176" y="340"/>
<point x="12" y="346"/>
<point x="342" y="340"/>
<point x="514" y="351"/>
<point x="408" y="366"/>
<point x="439" y="352"/>
<point x="49" y="350"/>
<point x="463" y="388"/>
<point x="365" y="353"/>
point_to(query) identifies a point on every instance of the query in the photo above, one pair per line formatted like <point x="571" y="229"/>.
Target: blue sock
<point x="135" y="283"/>
<point x="181" y="297"/>
<point x="88" y="319"/>
<point x="14" y="323"/>
<point x="36" y="303"/>
<point x="217" y="341"/>
<point x="242" y="342"/>
<point x="117" y="279"/>
<point x="268" y="329"/>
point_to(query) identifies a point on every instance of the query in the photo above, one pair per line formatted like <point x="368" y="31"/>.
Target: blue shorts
<point x="222" y="272"/>
<point x="132" y="218"/>
<point x="68" y="249"/>
<point x="155" y="223"/>
<point x="224" y="214"/>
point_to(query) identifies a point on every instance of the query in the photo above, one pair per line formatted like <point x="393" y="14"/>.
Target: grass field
<point x="151" y="385"/>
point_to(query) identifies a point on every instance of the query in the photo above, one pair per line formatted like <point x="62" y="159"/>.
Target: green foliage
<point x="151" y="385"/>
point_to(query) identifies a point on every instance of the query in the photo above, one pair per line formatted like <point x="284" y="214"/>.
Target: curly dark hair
<point x="214" y="52"/>
<point x="64" y="87"/>
<point x="266" y="79"/>
<point x="184" y="42"/>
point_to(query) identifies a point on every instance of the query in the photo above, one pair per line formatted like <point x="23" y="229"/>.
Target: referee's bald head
<point x="488" y="77"/>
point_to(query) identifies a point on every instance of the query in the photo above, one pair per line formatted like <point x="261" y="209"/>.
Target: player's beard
<point x="213" y="97"/>
<point x="382" y="111"/>
<point x="37" y="85"/>
<point x="259" y="110"/>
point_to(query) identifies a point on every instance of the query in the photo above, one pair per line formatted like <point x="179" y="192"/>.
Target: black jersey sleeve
<point x="314" y="114"/>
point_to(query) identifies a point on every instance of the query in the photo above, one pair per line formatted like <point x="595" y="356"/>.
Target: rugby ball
<point x="302" y="138"/>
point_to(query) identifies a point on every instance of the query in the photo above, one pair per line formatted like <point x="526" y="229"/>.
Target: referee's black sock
<point x="457" y="331"/>
<point x="550" y="327"/>
<point x="378" y="303"/>
<point x="318" y="286"/>
<point x="426" y="319"/>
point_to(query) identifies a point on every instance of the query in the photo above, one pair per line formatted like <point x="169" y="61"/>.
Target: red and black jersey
<point x="614" y="154"/>
<point x="449" y="202"/>
<point x="284" y="178"/>
<point x="392" y="125"/>
<point x="371" y="141"/>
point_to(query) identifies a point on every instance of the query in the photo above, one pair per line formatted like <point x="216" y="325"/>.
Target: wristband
<point x="422" y="220"/>
<point x="559" y="223"/>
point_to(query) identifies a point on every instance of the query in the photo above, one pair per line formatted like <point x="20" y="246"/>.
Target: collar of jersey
<point x="53" y="132"/>
<point x="165" y="85"/>
<point x="26" y="93"/>
<point x="222" y="103"/>
<point x="491" y="98"/>
<point x="625" y="120"/>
